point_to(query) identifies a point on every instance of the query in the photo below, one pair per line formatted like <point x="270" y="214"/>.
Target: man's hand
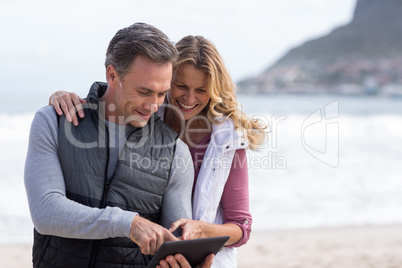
<point x="149" y="236"/>
<point x="178" y="261"/>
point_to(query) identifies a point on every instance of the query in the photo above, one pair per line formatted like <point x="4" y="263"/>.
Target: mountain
<point x="362" y="57"/>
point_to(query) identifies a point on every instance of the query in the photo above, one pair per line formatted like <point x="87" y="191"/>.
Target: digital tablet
<point x="195" y="250"/>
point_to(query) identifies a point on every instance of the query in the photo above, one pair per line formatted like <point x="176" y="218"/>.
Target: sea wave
<point x="290" y="187"/>
<point x="15" y="127"/>
<point x="364" y="186"/>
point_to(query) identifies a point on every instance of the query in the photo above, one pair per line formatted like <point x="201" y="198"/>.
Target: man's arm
<point x="51" y="211"/>
<point x="176" y="202"/>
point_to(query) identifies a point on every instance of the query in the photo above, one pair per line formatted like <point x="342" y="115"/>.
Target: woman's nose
<point x="190" y="98"/>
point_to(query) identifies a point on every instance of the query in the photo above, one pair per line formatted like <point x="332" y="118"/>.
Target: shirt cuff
<point x="245" y="226"/>
<point x="121" y="223"/>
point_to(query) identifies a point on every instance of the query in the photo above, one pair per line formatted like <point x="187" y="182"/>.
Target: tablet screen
<point x="195" y="250"/>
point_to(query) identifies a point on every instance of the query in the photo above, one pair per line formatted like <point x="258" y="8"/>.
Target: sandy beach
<point x="347" y="247"/>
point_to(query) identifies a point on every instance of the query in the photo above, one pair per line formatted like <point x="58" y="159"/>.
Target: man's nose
<point x="152" y="104"/>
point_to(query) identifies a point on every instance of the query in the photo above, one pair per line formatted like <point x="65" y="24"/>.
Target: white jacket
<point x="211" y="180"/>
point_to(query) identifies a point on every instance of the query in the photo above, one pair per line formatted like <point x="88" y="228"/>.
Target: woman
<point x="202" y="108"/>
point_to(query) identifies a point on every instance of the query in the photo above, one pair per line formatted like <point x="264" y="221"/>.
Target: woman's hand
<point x="179" y="261"/>
<point x="68" y="103"/>
<point x="191" y="229"/>
<point x="199" y="229"/>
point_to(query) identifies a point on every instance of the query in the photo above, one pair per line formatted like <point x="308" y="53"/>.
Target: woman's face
<point x="189" y="90"/>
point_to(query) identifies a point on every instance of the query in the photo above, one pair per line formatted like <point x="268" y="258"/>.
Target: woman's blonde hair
<point x="204" y="56"/>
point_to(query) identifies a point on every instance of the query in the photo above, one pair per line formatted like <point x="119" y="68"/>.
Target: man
<point x="95" y="189"/>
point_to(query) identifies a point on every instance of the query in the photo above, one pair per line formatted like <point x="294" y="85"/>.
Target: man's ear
<point x="112" y="76"/>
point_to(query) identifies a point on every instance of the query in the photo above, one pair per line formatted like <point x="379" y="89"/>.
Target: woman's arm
<point x="68" y="103"/>
<point x="235" y="198"/>
<point x="235" y="203"/>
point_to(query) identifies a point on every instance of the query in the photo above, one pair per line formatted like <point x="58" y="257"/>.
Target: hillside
<point x="362" y="57"/>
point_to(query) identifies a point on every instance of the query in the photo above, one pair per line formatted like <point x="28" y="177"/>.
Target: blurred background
<point x="325" y="74"/>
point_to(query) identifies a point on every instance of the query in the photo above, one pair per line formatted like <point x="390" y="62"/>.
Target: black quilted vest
<point x="139" y="180"/>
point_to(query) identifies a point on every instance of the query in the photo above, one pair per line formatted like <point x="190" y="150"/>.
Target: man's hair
<point x="139" y="39"/>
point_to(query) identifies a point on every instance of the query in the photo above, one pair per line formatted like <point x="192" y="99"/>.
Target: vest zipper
<point x="95" y="245"/>
<point x="107" y="181"/>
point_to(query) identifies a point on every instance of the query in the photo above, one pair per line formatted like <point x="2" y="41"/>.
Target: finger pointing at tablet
<point x="149" y="236"/>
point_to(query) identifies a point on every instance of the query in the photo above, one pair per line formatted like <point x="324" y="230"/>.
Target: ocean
<point x="330" y="161"/>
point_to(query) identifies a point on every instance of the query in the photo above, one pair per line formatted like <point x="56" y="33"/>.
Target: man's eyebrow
<point x="146" y="89"/>
<point x="164" y="92"/>
<point x="151" y="90"/>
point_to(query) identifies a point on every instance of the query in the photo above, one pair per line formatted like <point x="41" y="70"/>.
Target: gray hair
<point x="139" y="39"/>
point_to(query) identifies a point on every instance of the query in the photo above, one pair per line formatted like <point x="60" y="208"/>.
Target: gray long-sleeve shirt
<point x="54" y="214"/>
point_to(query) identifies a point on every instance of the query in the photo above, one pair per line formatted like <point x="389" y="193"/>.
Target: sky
<point x="60" y="45"/>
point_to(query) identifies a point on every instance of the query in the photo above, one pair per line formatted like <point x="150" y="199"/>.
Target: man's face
<point x="135" y="97"/>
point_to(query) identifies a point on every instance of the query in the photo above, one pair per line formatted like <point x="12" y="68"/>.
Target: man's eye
<point x="144" y="93"/>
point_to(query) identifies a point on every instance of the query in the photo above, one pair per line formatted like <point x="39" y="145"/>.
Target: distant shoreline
<point x="323" y="94"/>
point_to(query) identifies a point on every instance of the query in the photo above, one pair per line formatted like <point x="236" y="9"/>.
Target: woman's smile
<point x="186" y="107"/>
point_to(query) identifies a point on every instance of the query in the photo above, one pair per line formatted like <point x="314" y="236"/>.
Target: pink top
<point x="235" y="197"/>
